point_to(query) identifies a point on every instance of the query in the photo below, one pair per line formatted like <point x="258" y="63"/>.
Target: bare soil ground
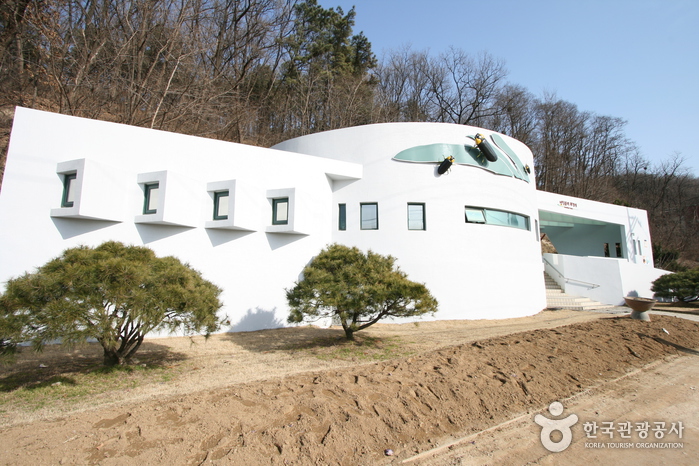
<point x="300" y="396"/>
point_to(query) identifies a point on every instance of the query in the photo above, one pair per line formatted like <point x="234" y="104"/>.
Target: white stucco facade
<point x="476" y="269"/>
<point x="604" y="250"/>
<point x="250" y="259"/>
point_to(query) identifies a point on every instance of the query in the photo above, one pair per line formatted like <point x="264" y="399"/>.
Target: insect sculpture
<point x="445" y="165"/>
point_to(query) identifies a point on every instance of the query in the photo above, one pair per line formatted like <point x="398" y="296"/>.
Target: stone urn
<point x="640" y="306"/>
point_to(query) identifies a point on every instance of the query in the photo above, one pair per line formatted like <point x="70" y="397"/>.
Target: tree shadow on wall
<point x="257" y="320"/>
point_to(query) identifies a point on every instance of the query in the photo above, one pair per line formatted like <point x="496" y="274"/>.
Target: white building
<point x="251" y="218"/>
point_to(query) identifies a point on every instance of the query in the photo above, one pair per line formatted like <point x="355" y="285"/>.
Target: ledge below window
<point x="284" y="230"/>
<point x="73" y="213"/>
<point x="157" y="219"/>
<point x="227" y="224"/>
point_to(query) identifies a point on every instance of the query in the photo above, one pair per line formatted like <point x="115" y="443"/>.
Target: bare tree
<point x="464" y="88"/>
<point x="515" y="113"/>
<point x="403" y="87"/>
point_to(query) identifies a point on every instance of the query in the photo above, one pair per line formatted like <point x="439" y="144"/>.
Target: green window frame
<point x="369" y="215"/>
<point x="496" y="217"/>
<point x="68" y="198"/>
<point x="221" y="205"/>
<point x="280" y="211"/>
<point x="151" y="194"/>
<point x="342" y="217"/>
<point x="416" y="216"/>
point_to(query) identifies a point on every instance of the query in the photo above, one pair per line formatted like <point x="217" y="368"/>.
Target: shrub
<point x="115" y="294"/>
<point x="683" y="286"/>
<point x="356" y="288"/>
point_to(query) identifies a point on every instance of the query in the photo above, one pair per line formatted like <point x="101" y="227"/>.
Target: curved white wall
<point x="475" y="271"/>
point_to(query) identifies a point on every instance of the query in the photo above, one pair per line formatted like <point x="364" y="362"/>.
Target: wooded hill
<point x="262" y="71"/>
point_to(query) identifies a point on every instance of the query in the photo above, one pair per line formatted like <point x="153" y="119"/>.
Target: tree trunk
<point x="113" y="358"/>
<point x="349" y="333"/>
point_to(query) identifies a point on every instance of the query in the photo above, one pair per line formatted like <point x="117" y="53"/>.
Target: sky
<point x="633" y="59"/>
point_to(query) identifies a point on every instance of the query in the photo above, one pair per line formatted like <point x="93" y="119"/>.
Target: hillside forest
<point x="263" y="71"/>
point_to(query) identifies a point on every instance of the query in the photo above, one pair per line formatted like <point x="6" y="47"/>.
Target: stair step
<point x="557" y="299"/>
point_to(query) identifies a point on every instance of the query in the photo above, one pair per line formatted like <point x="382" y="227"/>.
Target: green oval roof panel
<point x="500" y="142"/>
<point x="463" y="155"/>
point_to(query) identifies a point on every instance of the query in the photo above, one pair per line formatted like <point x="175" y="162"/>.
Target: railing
<point x="568" y="280"/>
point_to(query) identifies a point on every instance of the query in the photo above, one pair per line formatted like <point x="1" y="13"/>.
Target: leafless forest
<point x="262" y="71"/>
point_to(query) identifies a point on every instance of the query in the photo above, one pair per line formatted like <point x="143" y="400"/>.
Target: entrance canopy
<point x="580" y="236"/>
<point x="553" y="219"/>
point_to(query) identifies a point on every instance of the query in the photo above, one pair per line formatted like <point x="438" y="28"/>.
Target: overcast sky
<point x="633" y="59"/>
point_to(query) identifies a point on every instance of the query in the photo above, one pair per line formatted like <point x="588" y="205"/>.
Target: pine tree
<point x="113" y="293"/>
<point x="358" y="289"/>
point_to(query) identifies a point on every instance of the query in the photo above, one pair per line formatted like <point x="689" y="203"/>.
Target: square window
<point x="69" y="181"/>
<point x="221" y="199"/>
<point x="474" y="215"/>
<point x="151" y="198"/>
<point x="280" y="211"/>
<point x="369" y="216"/>
<point x="342" y="217"/>
<point x="416" y="216"/>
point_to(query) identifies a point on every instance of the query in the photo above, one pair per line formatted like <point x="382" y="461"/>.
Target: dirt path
<point x="245" y="357"/>
<point x="342" y="412"/>
<point x="665" y="391"/>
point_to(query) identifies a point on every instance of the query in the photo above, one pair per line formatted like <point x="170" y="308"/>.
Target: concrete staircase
<point x="557" y="299"/>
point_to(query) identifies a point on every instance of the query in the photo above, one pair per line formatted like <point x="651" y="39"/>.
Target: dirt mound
<point x="351" y="415"/>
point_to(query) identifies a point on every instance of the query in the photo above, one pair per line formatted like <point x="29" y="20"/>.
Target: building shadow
<point x="70" y="228"/>
<point x="222" y="236"/>
<point x="152" y="233"/>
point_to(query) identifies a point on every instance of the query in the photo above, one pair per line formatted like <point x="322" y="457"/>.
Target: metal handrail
<point x="568" y="280"/>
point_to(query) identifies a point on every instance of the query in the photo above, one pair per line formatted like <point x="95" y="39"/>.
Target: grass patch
<point x="36" y="389"/>
<point x="691" y="307"/>
<point x="362" y="348"/>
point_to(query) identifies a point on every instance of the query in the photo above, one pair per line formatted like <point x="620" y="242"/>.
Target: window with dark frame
<point x="474" y="215"/>
<point x="151" y="198"/>
<point x="496" y="217"/>
<point x="221" y="203"/>
<point x="68" y="199"/>
<point x="369" y="216"/>
<point x="342" y="217"/>
<point x="280" y="211"/>
<point x="416" y="216"/>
